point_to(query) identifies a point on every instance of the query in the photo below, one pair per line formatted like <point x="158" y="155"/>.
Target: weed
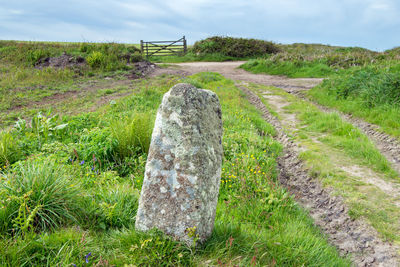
<point x="133" y="134"/>
<point x="40" y="195"/>
<point x="9" y="149"/>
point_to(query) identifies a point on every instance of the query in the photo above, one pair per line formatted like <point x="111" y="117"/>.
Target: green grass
<point x="257" y="222"/>
<point x="25" y="89"/>
<point x="313" y="60"/>
<point x="336" y="133"/>
<point x="288" y="68"/>
<point x="369" y="93"/>
<point x="192" y="57"/>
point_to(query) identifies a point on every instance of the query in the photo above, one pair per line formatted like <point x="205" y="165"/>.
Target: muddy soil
<point x="142" y="69"/>
<point x="63" y="61"/>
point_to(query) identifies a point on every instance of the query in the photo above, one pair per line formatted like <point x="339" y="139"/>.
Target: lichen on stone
<point x="183" y="169"/>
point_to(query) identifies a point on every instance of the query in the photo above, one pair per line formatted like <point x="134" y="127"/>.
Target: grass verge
<point x="370" y="93"/>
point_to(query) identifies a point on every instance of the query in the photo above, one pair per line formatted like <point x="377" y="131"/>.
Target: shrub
<point x="96" y="59"/>
<point x="234" y="47"/>
<point x="133" y="135"/>
<point x="9" y="150"/>
<point x="38" y="195"/>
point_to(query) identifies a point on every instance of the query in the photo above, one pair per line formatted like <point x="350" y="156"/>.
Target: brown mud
<point x="63" y="61"/>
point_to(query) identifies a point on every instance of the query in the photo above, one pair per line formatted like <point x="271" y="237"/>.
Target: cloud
<point x="370" y="23"/>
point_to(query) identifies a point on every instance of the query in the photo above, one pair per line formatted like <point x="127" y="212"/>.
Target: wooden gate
<point x="163" y="48"/>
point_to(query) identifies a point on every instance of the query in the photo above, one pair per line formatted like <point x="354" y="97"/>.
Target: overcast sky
<point x="373" y="24"/>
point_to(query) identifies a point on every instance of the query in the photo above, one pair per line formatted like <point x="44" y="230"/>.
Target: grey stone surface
<point x="183" y="169"/>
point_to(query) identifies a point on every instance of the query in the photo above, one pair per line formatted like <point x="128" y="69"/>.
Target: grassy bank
<point x="70" y="195"/>
<point x="319" y="61"/>
<point x="371" y="93"/>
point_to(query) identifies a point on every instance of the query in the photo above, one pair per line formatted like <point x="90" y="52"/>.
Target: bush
<point x="38" y="195"/>
<point x="9" y="150"/>
<point x="234" y="47"/>
<point x="96" y="59"/>
<point x="133" y="135"/>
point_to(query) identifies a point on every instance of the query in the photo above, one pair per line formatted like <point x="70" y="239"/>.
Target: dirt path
<point x="329" y="212"/>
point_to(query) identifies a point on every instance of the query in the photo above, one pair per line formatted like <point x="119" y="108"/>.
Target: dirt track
<point x="329" y="213"/>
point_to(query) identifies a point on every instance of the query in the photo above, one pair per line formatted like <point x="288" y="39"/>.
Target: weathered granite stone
<point x="183" y="169"/>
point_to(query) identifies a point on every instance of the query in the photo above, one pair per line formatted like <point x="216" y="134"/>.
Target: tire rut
<point x="386" y="144"/>
<point x="352" y="237"/>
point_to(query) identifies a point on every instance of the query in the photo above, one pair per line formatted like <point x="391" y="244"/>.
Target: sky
<point x="373" y="24"/>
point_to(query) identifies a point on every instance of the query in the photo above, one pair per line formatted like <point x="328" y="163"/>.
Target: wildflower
<point x="87" y="257"/>
<point x="93" y="168"/>
<point x="82" y="162"/>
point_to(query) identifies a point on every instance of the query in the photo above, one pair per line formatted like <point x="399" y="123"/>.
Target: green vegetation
<point x="27" y="84"/>
<point x="223" y="49"/>
<point x="75" y="187"/>
<point x="302" y="60"/>
<point x="360" y="82"/>
<point x="371" y="93"/>
<point x="333" y="146"/>
<point x="133" y="135"/>
<point x="192" y="57"/>
<point x="234" y="47"/>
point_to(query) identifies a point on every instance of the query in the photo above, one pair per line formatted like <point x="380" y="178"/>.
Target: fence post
<point x="141" y="46"/>
<point x="184" y="45"/>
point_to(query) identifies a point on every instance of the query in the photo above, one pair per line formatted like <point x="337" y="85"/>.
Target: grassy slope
<point x="341" y="144"/>
<point x="256" y="223"/>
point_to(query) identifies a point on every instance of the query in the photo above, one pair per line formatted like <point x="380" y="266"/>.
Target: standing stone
<point x="183" y="169"/>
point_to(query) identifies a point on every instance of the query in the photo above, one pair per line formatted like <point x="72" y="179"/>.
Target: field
<point x="76" y="127"/>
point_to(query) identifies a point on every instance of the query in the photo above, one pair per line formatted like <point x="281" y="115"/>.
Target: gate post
<point x="184" y="45"/>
